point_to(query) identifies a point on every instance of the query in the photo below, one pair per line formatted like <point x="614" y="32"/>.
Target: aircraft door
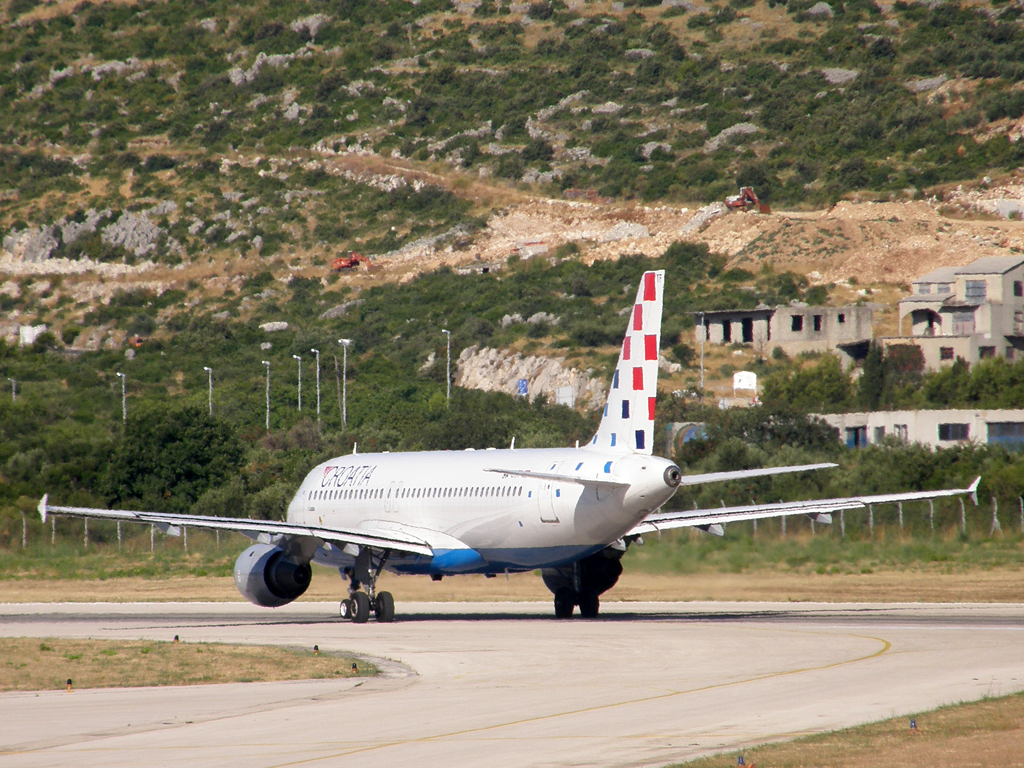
<point x="548" y="499"/>
<point x="389" y="500"/>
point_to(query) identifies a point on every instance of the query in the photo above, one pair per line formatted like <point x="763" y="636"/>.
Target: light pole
<point x="267" y="363"/>
<point x="345" y="344"/>
<point x="14" y="389"/>
<point x="124" y="401"/>
<point x="209" y="397"/>
<point x="317" y="353"/>
<point x="703" y="334"/>
<point x="448" y="367"/>
<point x="299" y="358"/>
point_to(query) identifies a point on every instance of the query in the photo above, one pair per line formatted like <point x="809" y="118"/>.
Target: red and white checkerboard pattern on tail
<point x="628" y="422"/>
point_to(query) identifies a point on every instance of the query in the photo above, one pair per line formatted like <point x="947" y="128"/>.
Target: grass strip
<point x="34" y="664"/>
<point x="989" y="732"/>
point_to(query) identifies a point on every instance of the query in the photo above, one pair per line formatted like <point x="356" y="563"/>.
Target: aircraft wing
<point x="819" y="510"/>
<point x="740" y="474"/>
<point x="398" y="541"/>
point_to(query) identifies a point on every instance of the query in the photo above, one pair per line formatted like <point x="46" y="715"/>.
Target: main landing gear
<point x="567" y="599"/>
<point x="359" y="605"/>
<point x="582" y="583"/>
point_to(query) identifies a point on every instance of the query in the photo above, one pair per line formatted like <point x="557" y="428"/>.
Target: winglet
<point x="42" y="506"/>
<point x="973" y="490"/>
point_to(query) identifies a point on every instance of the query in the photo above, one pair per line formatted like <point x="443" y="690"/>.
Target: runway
<point x="505" y="684"/>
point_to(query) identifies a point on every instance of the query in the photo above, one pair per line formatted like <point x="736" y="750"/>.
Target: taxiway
<point x="505" y="684"/>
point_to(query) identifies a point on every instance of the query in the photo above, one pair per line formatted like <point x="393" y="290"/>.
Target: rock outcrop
<point x="499" y="370"/>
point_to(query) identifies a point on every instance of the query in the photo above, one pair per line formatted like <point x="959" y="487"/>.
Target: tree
<point x="871" y="387"/>
<point x="167" y="459"/>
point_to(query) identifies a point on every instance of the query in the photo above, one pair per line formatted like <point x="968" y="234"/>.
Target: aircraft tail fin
<point x="628" y="421"/>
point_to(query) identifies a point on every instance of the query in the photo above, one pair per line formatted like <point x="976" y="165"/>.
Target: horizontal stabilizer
<point x="560" y="477"/>
<point x="740" y="474"/>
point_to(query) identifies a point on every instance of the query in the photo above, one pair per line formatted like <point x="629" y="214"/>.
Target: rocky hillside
<point x="166" y="132"/>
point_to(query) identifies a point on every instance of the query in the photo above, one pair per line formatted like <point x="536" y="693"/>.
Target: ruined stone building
<point x="846" y="331"/>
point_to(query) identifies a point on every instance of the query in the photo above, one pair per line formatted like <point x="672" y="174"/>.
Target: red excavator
<point x="353" y="260"/>
<point x="746" y="200"/>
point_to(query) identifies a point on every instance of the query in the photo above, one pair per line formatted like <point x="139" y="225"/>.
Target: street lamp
<point x="317" y="353"/>
<point x="345" y="343"/>
<point x="299" y="358"/>
<point x="703" y="335"/>
<point x="448" y="367"/>
<point x="209" y="398"/>
<point x="267" y="363"/>
<point x="124" y="401"/>
<point x="14" y="389"/>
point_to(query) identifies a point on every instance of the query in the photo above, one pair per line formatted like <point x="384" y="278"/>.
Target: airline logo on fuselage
<point x="347" y="477"/>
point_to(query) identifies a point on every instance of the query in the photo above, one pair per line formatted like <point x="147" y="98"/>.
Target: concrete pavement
<point x="505" y="684"/>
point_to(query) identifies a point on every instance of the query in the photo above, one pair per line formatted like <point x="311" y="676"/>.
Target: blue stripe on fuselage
<point x="456" y="561"/>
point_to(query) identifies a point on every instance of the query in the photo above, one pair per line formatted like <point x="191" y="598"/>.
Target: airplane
<point x="570" y="512"/>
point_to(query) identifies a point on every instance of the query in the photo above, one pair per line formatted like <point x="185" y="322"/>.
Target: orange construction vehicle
<point x="745" y="200"/>
<point x="353" y="260"/>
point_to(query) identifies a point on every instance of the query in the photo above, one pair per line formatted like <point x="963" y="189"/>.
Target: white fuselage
<point x="480" y="521"/>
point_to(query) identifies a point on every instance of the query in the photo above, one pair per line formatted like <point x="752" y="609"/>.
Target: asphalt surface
<point x="505" y="684"/>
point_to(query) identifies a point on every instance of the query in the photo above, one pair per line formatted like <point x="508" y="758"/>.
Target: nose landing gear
<point x="359" y="605"/>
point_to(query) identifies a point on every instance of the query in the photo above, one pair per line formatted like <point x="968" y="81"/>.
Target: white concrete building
<point x="973" y="312"/>
<point x="936" y="429"/>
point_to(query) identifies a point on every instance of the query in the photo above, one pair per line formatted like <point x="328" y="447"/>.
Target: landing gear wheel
<point x="345" y="609"/>
<point x="564" y="603"/>
<point x="384" y="607"/>
<point x="590" y="604"/>
<point x="360" y="608"/>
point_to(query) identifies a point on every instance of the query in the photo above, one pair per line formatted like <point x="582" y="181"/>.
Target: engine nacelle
<point x="267" y="576"/>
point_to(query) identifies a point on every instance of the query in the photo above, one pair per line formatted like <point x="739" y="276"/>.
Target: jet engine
<point x="267" y="575"/>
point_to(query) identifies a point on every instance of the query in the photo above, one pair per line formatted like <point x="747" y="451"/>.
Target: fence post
<point x="871" y="519"/>
<point x="783" y="526"/>
<point x="118" y="535"/>
<point x="963" y="518"/>
<point x="1021" y="500"/>
<point x="931" y="516"/>
<point x="842" y="524"/>
<point x="24" y="531"/>
<point x="218" y="535"/>
<point x="53" y="530"/>
<point x="152" y="535"/>
<point x="900" y="505"/>
<point x="995" y="519"/>
<point x="184" y="537"/>
<point x="87" y="533"/>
